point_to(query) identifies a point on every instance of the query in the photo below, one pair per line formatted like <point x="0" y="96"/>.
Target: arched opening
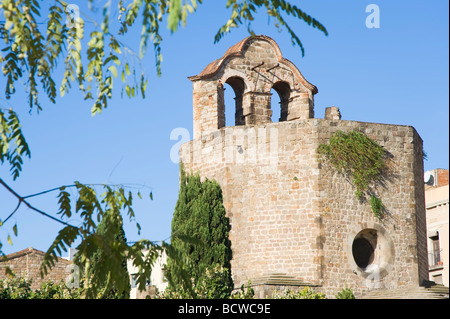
<point x="234" y="91"/>
<point x="363" y="252"/>
<point x="275" y="106"/>
<point x="363" y="248"/>
<point x="371" y="253"/>
<point x="280" y="101"/>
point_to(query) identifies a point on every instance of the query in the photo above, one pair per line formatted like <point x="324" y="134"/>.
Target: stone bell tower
<point x="252" y="68"/>
<point x="294" y="222"/>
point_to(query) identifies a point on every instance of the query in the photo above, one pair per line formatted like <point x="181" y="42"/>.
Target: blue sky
<point x="395" y="74"/>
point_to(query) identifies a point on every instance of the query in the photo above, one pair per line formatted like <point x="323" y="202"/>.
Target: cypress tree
<point x="200" y="232"/>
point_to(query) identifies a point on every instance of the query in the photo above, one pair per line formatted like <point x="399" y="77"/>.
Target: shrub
<point x="20" y="288"/>
<point x="246" y="292"/>
<point x="346" y="293"/>
<point x="214" y="284"/>
<point x="305" y="293"/>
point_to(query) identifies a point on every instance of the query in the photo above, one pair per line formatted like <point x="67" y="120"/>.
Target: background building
<point x="27" y="264"/>
<point x="437" y="208"/>
<point x="156" y="282"/>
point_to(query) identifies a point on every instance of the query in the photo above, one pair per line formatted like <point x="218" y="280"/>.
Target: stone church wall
<point x="291" y="215"/>
<point x="295" y="221"/>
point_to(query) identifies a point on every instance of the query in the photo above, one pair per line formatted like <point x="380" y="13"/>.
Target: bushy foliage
<point x="211" y="286"/>
<point x="20" y="288"/>
<point x="305" y="293"/>
<point x="15" y="288"/>
<point x="214" y="284"/>
<point x="346" y="293"/>
<point x="245" y="292"/>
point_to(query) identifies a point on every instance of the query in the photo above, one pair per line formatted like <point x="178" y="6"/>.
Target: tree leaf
<point x="113" y="70"/>
<point x="174" y="15"/>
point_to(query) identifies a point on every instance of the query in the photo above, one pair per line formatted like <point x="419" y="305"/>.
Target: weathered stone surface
<point x="252" y="68"/>
<point x="290" y="213"/>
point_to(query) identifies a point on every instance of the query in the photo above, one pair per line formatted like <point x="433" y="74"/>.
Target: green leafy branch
<point x="245" y="10"/>
<point x="31" y="52"/>
<point x="106" y="209"/>
<point x="31" y="55"/>
<point x="22" y="200"/>
<point x="13" y="146"/>
<point x="357" y="156"/>
<point x="93" y="209"/>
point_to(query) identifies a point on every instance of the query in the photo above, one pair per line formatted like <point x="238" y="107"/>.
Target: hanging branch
<point x="22" y="200"/>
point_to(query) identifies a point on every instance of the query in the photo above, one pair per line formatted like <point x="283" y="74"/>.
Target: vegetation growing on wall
<point x="360" y="158"/>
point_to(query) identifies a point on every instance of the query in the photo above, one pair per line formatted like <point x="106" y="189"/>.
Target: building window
<point x="435" y="254"/>
<point x="280" y="112"/>
<point x="134" y="282"/>
<point x="228" y="115"/>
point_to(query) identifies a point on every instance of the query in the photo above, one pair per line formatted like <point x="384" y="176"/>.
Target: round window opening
<point x="363" y="252"/>
<point x="371" y="252"/>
